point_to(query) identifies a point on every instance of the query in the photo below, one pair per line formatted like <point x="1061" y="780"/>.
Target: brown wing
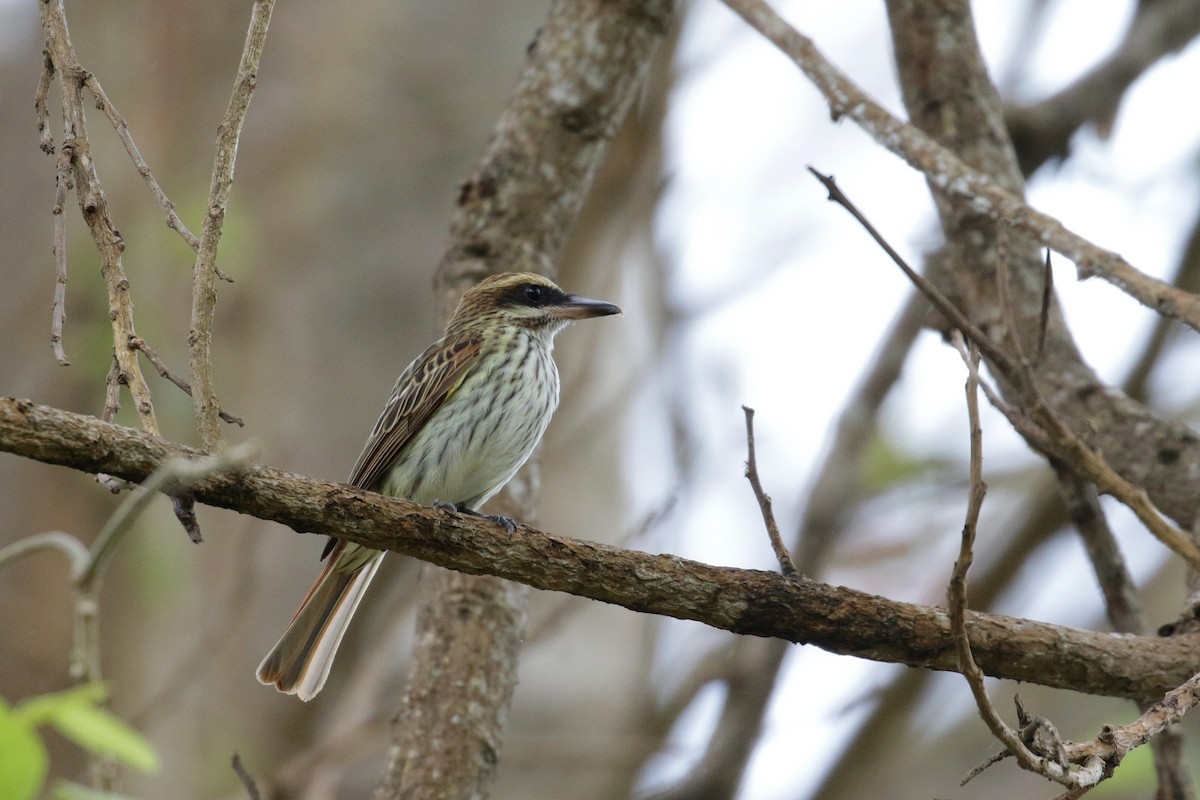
<point x="420" y="391"/>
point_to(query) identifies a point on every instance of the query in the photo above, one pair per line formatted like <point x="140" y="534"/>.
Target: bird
<point x="463" y="417"/>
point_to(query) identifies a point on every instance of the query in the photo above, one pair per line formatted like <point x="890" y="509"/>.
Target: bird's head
<point x="524" y="299"/>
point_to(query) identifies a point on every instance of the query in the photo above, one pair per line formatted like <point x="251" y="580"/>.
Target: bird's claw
<point x="510" y="525"/>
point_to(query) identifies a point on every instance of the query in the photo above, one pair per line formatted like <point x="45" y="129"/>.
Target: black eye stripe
<point x="535" y="295"/>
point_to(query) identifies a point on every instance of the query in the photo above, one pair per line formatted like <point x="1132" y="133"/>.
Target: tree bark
<point x="514" y="214"/>
<point x="749" y="602"/>
<point x="949" y="95"/>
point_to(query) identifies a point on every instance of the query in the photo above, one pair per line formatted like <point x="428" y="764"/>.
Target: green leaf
<point x="98" y="731"/>
<point x="75" y="713"/>
<point x="42" y="709"/>
<point x="23" y="757"/>
<point x="65" y="790"/>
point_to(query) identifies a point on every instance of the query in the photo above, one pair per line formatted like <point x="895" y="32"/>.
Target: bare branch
<point x="956" y="593"/>
<point x="143" y="169"/>
<point x="764" y="501"/>
<point x="750" y="602"/>
<point x="948" y="172"/>
<point x="94" y="206"/>
<point x="1113" y="743"/>
<point x="40" y="108"/>
<point x="1043" y="130"/>
<point x="58" y="314"/>
<point x="1042" y="428"/>
<point x="204" y="274"/>
<point x="138" y="343"/>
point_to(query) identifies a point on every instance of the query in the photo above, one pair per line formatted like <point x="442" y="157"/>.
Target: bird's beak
<point x="576" y="307"/>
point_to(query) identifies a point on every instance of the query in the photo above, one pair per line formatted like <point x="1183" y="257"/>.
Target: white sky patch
<point x="799" y="296"/>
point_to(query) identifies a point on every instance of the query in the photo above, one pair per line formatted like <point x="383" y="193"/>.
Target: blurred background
<point x="740" y="284"/>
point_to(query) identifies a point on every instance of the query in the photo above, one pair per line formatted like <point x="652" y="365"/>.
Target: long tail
<point x="299" y="662"/>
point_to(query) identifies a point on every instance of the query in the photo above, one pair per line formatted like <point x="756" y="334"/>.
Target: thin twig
<point x="112" y="404"/>
<point x="94" y="207"/>
<point x="58" y="314"/>
<point x="1042" y="428"/>
<point x="177" y="472"/>
<point x="978" y="769"/>
<point x="1113" y="743"/>
<point x="245" y="777"/>
<point x="112" y="394"/>
<point x="70" y="546"/>
<point x="126" y="137"/>
<point x="786" y="566"/>
<point x="204" y="274"/>
<point x="1047" y="296"/>
<point x="40" y="108"/>
<point x="138" y="343"/>
<point x="947" y="171"/>
<point x="956" y="593"/>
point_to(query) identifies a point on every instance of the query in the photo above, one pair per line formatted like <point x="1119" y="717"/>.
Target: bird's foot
<point x="510" y="525"/>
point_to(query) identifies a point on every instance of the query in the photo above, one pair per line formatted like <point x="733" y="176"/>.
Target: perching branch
<point x="749" y="602"/>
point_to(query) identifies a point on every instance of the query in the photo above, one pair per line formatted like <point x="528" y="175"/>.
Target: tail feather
<point x="300" y="661"/>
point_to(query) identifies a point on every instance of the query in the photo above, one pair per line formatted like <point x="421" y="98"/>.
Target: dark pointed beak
<point x="576" y="307"/>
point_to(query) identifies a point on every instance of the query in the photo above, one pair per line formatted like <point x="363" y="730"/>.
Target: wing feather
<point x="419" y="392"/>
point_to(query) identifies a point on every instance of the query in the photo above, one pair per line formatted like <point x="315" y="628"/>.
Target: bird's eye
<point x="533" y="294"/>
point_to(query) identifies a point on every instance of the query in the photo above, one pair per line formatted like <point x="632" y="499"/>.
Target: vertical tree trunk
<point x="514" y="214"/>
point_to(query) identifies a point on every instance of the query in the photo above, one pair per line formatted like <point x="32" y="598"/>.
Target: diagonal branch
<point x="126" y="136"/>
<point x="1043" y="130"/>
<point x="750" y="602"/>
<point x="947" y="171"/>
<point x="1038" y="424"/>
